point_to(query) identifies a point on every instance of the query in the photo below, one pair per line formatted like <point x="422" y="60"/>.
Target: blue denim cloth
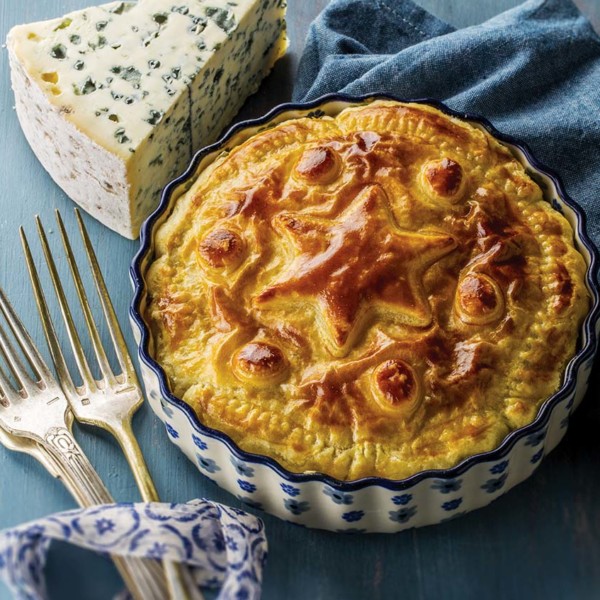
<point x="533" y="71"/>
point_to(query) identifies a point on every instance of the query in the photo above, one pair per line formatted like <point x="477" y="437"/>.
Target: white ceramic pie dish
<point x="371" y="504"/>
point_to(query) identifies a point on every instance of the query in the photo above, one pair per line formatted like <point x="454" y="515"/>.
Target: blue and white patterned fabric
<point x="224" y="546"/>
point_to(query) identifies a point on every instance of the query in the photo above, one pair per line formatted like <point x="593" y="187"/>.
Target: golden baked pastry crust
<point x="373" y="294"/>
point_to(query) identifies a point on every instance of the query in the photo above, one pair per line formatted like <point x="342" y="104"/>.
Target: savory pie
<point x="370" y="294"/>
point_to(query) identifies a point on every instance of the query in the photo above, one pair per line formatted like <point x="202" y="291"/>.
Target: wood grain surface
<point x="541" y="540"/>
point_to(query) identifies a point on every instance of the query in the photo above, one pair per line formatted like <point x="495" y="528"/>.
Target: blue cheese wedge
<point x="115" y="99"/>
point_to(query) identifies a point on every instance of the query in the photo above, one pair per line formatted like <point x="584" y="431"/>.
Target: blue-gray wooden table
<point x="541" y="540"/>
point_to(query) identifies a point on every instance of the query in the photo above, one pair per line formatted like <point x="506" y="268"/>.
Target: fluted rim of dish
<point x="584" y="353"/>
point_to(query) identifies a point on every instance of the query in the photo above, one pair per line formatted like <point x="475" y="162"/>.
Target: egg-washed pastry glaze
<point x="371" y="294"/>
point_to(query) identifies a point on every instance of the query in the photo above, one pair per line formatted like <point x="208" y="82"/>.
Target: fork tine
<point x="105" y="367"/>
<point x="7" y="352"/>
<point x="80" y="359"/>
<point x="24" y="340"/>
<point x="107" y="307"/>
<point x="49" y="332"/>
<point x="5" y="388"/>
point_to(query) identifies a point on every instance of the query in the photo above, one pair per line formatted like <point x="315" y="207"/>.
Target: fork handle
<point x="179" y="580"/>
<point x="143" y="577"/>
<point x="123" y="432"/>
<point x="90" y="489"/>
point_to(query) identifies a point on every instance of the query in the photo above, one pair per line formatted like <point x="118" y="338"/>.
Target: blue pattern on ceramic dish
<point x="296" y="507"/>
<point x="446" y="486"/>
<point x="338" y="497"/>
<point x="353" y="515"/>
<point x="452" y="504"/>
<point x="164" y="404"/>
<point x="535" y="439"/>
<point x="246" y="486"/>
<point x="208" y="464"/>
<point x="537" y="456"/>
<point x="199" y="443"/>
<point x="491" y="486"/>
<point x="499" y="468"/>
<point x="241" y="467"/>
<point x="172" y="431"/>
<point x="402" y="500"/>
<point x="403" y="515"/>
<point x="269" y="475"/>
<point x="556" y="205"/>
<point x="290" y="490"/>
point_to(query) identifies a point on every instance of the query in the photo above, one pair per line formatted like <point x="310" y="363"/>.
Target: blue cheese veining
<point x="114" y="99"/>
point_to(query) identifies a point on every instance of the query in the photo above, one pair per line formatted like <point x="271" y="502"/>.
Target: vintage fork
<point x="36" y="410"/>
<point x="27" y="446"/>
<point x="33" y="449"/>
<point x="110" y="402"/>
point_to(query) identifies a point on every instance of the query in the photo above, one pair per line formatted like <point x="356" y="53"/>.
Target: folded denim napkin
<point x="533" y="71"/>
<point x="225" y="547"/>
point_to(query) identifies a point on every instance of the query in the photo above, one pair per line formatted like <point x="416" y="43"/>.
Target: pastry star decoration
<point x="355" y="263"/>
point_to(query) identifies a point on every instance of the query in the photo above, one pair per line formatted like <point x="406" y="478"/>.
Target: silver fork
<point x="27" y="446"/>
<point x="110" y="402"/>
<point x="37" y="411"/>
<point x="33" y="449"/>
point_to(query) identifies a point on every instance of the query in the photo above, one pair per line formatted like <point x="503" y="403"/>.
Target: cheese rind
<point x="115" y="99"/>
